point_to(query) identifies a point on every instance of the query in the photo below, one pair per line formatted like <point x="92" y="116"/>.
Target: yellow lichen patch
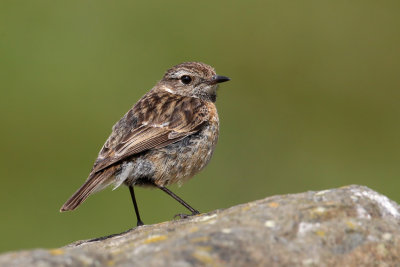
<point x="193" y="229"/>
<point x="320" y="233"/>
<point x="156" y="238"/>
<point x="204" y="248"/>
<point x="200" y="239"/>
<point x="351" y="225"/>
<point x="56" y="252"/>
<point x="110" y="263"/>
<point x="273" y="204"/>
<point x="245" y="208"/>
<point x="203" y="257"/>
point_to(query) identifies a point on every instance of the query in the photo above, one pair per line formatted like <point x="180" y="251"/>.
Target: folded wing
<point x="159" y="126"/>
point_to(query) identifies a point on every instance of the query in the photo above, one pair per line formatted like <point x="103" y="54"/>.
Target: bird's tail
<point x="95" y="183"/>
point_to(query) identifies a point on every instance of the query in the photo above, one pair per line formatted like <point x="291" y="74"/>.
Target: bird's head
<point x="192" y="79"/>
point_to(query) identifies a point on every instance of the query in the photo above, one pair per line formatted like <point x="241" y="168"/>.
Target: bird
<point x="167" y="137"/>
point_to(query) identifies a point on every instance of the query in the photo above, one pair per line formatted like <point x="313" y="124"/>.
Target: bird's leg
<point x="182" y="216"/>
<point x="139" y="221"/>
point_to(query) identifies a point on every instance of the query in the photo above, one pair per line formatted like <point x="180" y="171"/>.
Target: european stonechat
<point x="167" y="137"/>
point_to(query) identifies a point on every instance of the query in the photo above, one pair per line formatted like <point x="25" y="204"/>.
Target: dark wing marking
<point x="156" y="127"/>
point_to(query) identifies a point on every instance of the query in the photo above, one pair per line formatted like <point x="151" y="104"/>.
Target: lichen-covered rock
<point x="349" y="226"/>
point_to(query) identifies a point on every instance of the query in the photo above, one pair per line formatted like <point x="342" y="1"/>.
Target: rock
<point x="348" y="226"/>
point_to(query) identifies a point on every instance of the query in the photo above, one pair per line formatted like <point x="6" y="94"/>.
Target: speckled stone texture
<point x="348" y="226"/>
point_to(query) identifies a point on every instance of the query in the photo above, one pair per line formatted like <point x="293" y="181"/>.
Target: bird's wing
<point x="154" y="122"/>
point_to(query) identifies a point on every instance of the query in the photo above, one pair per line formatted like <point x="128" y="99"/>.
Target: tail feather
<point x="95" y="183"/>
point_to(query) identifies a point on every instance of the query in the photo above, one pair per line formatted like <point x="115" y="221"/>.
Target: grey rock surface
<point x="348" y="226"/>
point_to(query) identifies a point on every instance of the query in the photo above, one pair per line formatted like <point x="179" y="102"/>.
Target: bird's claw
<point x="185" y="216"/>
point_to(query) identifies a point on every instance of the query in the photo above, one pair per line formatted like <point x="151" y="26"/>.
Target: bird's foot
<point x="185" y="216"/>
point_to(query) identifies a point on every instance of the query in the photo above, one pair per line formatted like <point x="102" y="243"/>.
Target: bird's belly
<point x="171" y="164"/>
<point x="178" y="162"/>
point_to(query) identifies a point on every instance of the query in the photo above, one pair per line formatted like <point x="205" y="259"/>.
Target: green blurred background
<point x="313" y="103"/>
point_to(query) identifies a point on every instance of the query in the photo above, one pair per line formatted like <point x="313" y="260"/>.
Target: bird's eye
<point x="186" y="79"/>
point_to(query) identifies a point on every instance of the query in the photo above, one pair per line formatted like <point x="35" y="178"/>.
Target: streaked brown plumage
<point x="166" y="137"/>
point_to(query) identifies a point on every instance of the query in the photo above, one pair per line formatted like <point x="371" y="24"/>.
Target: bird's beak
<point x="219" y="79"/>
